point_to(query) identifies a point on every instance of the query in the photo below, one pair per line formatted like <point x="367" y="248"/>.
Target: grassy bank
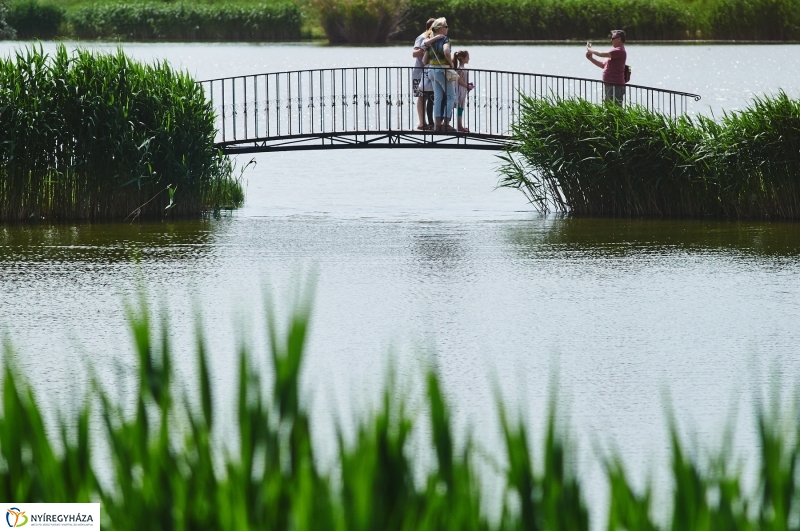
<point x="170" y="471"/>
<point x="584" y="19"/>
<point x="606" y="160"/>
<point x="100" y="136"/>
<point x="371" y="21"/>
<point x="185" y="22"/>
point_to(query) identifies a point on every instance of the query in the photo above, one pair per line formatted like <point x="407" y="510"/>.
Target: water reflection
<point x="438" y="251"/>
<point x="104" y="242"/>
<point x="555" y="236"/>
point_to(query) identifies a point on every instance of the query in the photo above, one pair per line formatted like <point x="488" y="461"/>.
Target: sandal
<point x="448" y="129"/>
<point x="463" y="130"/>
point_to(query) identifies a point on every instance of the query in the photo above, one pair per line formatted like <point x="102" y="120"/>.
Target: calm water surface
<point x="417" y="253"/>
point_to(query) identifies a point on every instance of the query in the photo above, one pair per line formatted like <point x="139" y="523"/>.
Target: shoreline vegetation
<point x="168" y="468"/>
<point x="87" y="135"/>
<point x="606" y="160"/>
<point x="379" y="21"/>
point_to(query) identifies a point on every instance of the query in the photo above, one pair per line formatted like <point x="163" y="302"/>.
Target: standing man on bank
<point x="613" y="67"/>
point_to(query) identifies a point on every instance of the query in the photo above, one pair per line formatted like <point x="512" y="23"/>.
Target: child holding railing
<point x="460" y="60"/>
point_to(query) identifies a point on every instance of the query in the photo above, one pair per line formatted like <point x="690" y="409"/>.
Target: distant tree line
<point x="379" y="21"/>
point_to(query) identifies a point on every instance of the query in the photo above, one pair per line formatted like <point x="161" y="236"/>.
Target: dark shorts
<point x="415" y="87"/>
<point x="615" y="93"/>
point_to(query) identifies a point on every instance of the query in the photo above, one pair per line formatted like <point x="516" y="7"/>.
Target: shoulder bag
<point x="450" y="74"/>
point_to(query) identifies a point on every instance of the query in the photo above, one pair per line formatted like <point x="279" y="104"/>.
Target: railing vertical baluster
<point x="279" y="106"/>
<point x="255" y="104"/>
<point x="224" y="136"/>
<point x="233" y="112"/>
<point x="244" y="85"/>
<point x="311" y="100"/>
<point x="344" y="101"/>
<point x="333" y="100"/>
<point x="267" y="98"/>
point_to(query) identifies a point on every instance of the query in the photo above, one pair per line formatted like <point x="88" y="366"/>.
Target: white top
<point x="417" y="73"/>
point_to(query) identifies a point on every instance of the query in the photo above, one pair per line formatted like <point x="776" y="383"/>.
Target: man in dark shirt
<point x="613" y="67"/>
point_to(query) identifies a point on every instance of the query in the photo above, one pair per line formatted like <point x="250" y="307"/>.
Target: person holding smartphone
<point x="613" y="67"/>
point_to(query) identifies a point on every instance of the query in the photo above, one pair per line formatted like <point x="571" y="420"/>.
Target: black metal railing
<point x="285" y="107"/>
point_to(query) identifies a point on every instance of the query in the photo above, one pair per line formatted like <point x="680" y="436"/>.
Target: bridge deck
<point x="374" y="107"/>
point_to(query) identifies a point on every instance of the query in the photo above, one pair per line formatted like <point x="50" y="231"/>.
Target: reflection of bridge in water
<point x="371" y="107"/>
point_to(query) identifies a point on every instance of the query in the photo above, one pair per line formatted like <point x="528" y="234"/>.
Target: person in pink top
<point x="613" y="67"/>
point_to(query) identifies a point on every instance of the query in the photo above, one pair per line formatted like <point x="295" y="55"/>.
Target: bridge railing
<point x="333" y="101"/>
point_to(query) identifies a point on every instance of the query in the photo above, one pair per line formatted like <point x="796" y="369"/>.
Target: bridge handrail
<point x="360" y="106"/>
<point x="696" y="97"/>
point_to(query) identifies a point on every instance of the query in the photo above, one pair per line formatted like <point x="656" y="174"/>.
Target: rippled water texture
<point x="416" y="251"/>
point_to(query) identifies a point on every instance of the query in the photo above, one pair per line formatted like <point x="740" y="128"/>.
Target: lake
<point x="417" y="258"/>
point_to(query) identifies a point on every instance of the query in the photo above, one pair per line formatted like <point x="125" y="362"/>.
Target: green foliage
<point x="185" y="21"/>
<point x="169" y="471"/>
<point x="556" y="19"/>
<point x="753" y="19"/>
<point x="34" y="20"/>
<point x="582" y="19"/>
<point x="98" y="136"/>
<point x="359" y="21"/>
<point x="6" y="31"/>
<point x="589" y="159"/>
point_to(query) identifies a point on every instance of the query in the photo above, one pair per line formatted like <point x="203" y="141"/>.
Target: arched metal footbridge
<point x="374" y="107"/>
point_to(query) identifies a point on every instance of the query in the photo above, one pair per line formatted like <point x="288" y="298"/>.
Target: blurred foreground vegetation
<point x="87" y="135"/>
<point x="375" y="21"/>
<point x="588" y="159"/>
<point x="168" y="470"/>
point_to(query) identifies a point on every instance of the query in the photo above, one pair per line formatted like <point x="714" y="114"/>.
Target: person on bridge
<point x="461" y="58"/>
<point x="421" y="84"/>
<point x="444" y="91"/>
<point x="613" y="67"/>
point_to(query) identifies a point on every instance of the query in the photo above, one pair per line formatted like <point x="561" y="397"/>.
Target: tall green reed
<point x="185" y="21"/>
<point x="770" y="20"/>
<point x="6" y="30"/>
<point x="588" y="159"/>
<point x="168" y="469"/>
<point x="100" y="136"/>
<point x="359" y="21"/>
<point x="555" y="19"/>
<point x="34" y="20"/>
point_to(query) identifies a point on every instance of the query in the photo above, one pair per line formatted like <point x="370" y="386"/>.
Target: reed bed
<point x="359" y="21"/>
<point x="584" y="19"/>
<point x="375" y="21"/>
<point x="34" y="20"/>
<point x="6" y="30"/>
<point x="169" y="470"/>
<point x="556" y="19"/>
<point x="185" y="21"/>
<point x="587" y="159"/>
<point x="100" y="136"/>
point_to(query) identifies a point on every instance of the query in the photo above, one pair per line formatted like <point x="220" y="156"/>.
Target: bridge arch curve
<point x="374" y="107"/>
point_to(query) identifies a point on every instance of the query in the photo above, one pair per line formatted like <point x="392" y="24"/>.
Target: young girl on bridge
<point x="460" y="60"/>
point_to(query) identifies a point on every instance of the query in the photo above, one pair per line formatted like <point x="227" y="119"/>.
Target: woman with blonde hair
<point x="444" y="91"/>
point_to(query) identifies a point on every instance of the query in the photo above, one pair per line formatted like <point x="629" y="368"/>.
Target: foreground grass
<point x="168" y="469"/>
<point x="588" y="159"/>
